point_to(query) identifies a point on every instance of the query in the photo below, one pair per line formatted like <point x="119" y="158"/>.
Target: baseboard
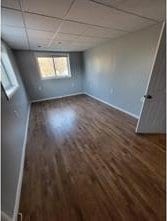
<point x="5" y="217"/>
<point x="18" y="193"/>
<point x="113" y="106"/>
<point x="58" y="97"/>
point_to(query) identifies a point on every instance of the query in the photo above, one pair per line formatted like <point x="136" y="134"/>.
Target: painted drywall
<point x="13" y="125"/>
<point x="43" y="89"/>
<point x="117" y="72"/>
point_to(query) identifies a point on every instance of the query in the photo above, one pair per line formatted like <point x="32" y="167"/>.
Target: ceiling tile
<point x="64" y="46"/>
<point x="38" y="44"/>
<point x="88" y="12"/>
<point x="83" y="42"/>
<point x="77" y="45"/>
<point x="10" y="3"/>
<point x="35" y="34"/>
<point x="81" y="45"/>
<point x="57" y="8"/>
<point x="90" y="40"/>
<point x="17" y="39"/>
<point x="39" y="22"/>
<point x="102" y="32"/>
<point x="39" y="39"/>
<point x="97" y="14"/>
<point x="72" y="28"/>
<point x="123" y="21"/>
<point x="12" y="17"/>
<point x="154" y="9"/>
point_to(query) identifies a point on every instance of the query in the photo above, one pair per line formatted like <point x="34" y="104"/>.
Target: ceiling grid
<point x="74" y="25"/>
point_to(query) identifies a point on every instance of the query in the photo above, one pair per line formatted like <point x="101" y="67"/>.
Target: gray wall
<point x="41" y="89"/>
<point x="12" y="138"/>
<point x="117" y="71"/>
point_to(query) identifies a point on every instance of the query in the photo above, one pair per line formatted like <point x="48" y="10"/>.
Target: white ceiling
<point x="74" y="25"/>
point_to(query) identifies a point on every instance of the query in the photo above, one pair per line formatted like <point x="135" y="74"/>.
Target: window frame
<point x="53" y="55"/>
<point x="14" y="84"/>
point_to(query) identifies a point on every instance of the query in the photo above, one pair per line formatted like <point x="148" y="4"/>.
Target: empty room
<point x="83" y="110"/>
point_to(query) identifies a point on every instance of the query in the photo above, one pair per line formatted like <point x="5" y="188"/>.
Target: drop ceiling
<point x="74" y="25"/>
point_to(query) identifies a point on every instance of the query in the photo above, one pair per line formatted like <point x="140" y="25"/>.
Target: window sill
<point x="10" y="92"/>
<point x="57" y="78"/>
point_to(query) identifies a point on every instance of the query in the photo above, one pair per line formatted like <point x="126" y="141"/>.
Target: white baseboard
<point x="58" y="97"/>
<point x="115" y="107"/>
<point x="18" y="193"/>
<point x="5" y="217"/>
<point x="79" y="93"/>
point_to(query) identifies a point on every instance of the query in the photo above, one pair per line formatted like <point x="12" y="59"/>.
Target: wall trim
<point x="19" y="185"/>
<point x="58" y="97"/>
<point x="113" y="106"/>
<point x="5" y="217"/>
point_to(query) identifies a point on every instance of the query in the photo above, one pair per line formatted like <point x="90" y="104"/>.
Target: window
<point x="56" y="66"/>
<point x="8" y="78"/>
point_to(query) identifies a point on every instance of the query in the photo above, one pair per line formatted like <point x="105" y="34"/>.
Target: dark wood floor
<point x="85" y="163"/>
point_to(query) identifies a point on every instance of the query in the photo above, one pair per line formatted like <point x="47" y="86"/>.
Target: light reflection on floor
<point x="61" y="120"/>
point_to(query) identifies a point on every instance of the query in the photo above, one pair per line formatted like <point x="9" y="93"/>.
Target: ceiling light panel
<point x="154" y="9"/>
<point x="12" y="18"/>
<point x="43" y="23"/>
<point x="56" y="8"/>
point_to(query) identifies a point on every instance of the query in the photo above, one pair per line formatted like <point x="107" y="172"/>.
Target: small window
<point x="8" y="78"/>
<point x="54" y="66"/>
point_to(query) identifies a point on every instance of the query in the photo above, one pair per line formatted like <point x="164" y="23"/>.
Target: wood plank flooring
<point x="84" y="162"/>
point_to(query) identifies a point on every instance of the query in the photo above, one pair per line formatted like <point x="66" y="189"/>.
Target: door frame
<point x="149" y="78"/>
